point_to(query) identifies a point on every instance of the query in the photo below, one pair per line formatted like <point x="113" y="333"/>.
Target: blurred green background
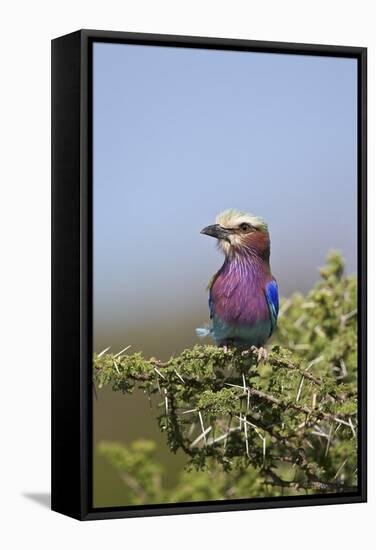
<point x="125" y="418"/>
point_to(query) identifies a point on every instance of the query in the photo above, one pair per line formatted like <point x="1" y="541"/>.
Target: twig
<point x="310" y="484"/>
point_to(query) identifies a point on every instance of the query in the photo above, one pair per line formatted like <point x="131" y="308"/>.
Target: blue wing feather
<point x="271" y="293"/>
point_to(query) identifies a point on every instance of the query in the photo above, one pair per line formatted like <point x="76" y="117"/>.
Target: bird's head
<point x="240" y="233"/>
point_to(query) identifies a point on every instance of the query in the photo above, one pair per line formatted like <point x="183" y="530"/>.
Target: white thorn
<point x="201" y="436"/>
<point x="340" y="468"/>
<point x="352" y="427"/>
<point x="202" y="426"/>
<point x="190" y="411"/>
<point x="179" y="376"/>
<point x="104" y="351"/>
<point x="123" y="350"/>
<point x="263" y="449"/>
<point x="166" y="401"/>
<point x="160" y="374"/>
<point x="244" y="384"/>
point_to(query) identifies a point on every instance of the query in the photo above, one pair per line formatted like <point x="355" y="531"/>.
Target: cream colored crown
<point x="233" y="218"/>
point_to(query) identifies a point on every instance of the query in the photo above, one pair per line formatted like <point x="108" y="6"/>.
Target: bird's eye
<point x="244" y="227"/>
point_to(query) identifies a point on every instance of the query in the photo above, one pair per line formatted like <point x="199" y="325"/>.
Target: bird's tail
<point x="202" y="332"/>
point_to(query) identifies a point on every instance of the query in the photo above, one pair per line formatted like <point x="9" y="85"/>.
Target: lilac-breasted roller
<point x="243" y="294"/>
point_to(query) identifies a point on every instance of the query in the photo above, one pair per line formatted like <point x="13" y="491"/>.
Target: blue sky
<point x="182" y="134"/>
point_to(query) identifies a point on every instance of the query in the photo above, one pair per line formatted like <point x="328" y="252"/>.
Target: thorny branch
<point x="205" y="389"/>
<point x="291" y="418"/>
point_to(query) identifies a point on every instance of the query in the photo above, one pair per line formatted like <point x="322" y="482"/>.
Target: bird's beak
<point x="216" y="231"/>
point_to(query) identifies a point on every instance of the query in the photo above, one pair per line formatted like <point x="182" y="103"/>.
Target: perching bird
<point x="243" y="294"/>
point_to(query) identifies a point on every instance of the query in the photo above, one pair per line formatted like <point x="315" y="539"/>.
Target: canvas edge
<point x="81" y="508"/>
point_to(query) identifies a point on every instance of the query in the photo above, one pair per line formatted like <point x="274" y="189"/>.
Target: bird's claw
<point x="261" y="353"/>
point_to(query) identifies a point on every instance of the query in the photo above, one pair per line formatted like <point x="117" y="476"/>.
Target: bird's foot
<point x="227" y="345"/>
<point x="261" y="353"/>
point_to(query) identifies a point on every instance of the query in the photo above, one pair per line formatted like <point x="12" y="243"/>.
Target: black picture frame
<point x="72" y="437"/>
